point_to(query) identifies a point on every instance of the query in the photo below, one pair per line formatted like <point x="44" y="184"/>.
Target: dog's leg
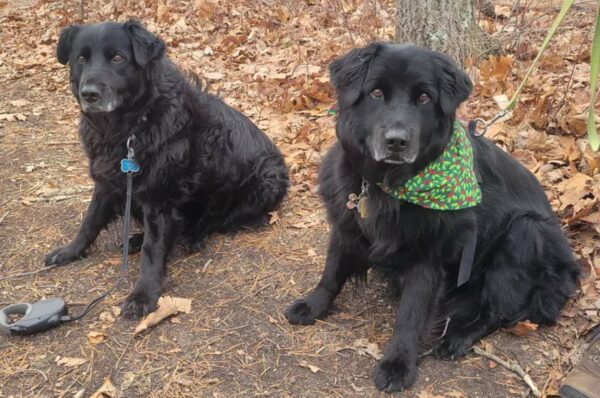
<point x="159" y="236"/>
<point x="397" y="369"/>
<point x="345" y="257"/>
<point x="101" y="211"/>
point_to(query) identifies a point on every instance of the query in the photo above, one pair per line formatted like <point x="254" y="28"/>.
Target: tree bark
<point x="448" y="26"/>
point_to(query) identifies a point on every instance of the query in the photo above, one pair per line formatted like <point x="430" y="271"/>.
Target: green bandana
<point x="448" y="183"/>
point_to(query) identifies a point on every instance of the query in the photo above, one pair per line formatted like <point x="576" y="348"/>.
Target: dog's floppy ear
<point x="455" y="84"/>
<point x="146" y="46"/>
<point x="348" y="72"/>
<point x="65" y="42"/>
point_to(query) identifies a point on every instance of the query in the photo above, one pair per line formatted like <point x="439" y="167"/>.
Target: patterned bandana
<point x="447" y="183"/>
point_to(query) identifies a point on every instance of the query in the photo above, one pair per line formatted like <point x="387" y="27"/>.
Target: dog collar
<point x="447" y="183"/>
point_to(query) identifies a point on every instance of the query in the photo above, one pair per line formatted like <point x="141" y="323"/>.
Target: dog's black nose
<point x="396" y="140"/>
<point x="90" y="93"/>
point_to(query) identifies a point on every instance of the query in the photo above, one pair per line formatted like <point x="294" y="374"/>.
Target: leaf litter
<point x="271" y="63"/>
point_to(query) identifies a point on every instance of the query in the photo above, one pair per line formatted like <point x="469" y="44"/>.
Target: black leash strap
<point x="467" y="258"/>
<point x="49" y="313"/>
<point x="124" y="262"/>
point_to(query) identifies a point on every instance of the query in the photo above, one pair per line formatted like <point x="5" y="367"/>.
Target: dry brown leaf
<point x="204" y="9"/>
<point x="163" y="13"/>
<point x="95" y="337"/>
<point x="569" y="147"/>
<point x="363" y="346"/>
<point x="312" y="368"/>
<point x="574" y="189"/>
<point x="274" y="217"/>
<point x="213" y="75"/>
<point x="106" y="390"/>
<point x="428" y="394"/>
<point x="19" y="103"/>
<point x="70" y="362"/>
<point x="167" y="306"/>
<point x="593" y="218"/>
<point x="12" y="117"/>
<point x="522" y="328"/>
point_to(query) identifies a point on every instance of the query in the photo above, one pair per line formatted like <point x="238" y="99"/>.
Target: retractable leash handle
<point x="36" y="317"/>
<point x="47" y="314"/>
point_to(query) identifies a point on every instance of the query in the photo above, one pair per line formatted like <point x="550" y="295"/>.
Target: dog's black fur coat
<point x="205" y="167"/>
<point x="523" y="267"/>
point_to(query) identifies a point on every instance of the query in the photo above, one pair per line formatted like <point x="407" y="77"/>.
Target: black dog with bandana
<point x="422" y="207"/>
<point x="205" y="167"/>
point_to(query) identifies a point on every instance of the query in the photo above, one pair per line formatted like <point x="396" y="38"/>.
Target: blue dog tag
<point x="129" y="166"/>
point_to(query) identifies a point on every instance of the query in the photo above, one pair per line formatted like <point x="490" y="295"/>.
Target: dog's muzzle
<point x="395" y="146"/>
<point x="95" y="99"/>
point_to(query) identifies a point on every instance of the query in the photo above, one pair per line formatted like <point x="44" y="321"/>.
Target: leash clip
<point x="35" y="318"/>
<point x="472" y="126"/>
<point x="130" y="165"/>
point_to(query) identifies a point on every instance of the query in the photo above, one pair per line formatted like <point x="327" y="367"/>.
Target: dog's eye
<point x="377" y="93"/>
<point x="117" y="58"/>
<point x="81" y="59"/>
<point x="423" y="98"/>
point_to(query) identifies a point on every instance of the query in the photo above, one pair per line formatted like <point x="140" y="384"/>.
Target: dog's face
<point x="109" y="63"/>
<point x="396" y="101"/>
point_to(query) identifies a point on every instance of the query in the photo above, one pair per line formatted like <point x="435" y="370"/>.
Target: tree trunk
<point x="448" y="26"/>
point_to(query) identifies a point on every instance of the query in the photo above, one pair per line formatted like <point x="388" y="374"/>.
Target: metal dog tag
<point x="362" y="207"/>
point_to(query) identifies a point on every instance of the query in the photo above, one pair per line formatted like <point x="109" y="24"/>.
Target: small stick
<point x="116" y="367"/>
<point x="28" y="273"/>
<point x="510" y="366"/>
<point x="30" y="370"/>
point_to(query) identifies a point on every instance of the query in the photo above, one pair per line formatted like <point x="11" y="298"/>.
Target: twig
<point x="4" y="216"/>
<point x="30" y="370"/>
<point x="118" y="363"/>
<point x="28" y="273"/>
<point x="510" y="366"/>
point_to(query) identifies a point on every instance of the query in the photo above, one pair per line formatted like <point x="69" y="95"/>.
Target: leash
<point x="47" y="314"/>
<point x="467" y="257"/>
<point x="473" y="124"/>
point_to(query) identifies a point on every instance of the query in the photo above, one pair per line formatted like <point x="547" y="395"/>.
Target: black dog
<point x="204" y="166"/>
<point x="396" y="118"/>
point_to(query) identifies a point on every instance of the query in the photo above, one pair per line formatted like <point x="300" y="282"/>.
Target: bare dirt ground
<point x="269" y="60"/>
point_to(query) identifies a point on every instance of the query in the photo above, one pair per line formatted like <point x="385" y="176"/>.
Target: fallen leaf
<point x="306" y="69"/>
<point x="70" y="362"/>
<point x="363" y="346"/>
<point x="574" y="189"/>
<point x="127" y="380"/>
<point x="19" y="103"/>
<point x="522" y="328"/>
<point x="167" y="306"/>
<point x="79" y="393"/>
<point x="95" y="337"/>
<point x="162" y="13"/>
<point x="213" y="75"/>
<point x="428" y="394"/>
<point x="274" y="218"/>
<point x="312" y="368"/>
<point x="112" y="261"/>
<point x="107" y="390"/>
<point x="12" y="117"/>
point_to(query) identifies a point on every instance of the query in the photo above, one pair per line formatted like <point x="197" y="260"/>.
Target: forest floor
<point x="269" y="59"/>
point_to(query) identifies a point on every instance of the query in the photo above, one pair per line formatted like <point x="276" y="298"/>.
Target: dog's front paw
<point x="139" y="304"/>
<point x="63" y="255"/>
<point x="303" y="312"/>
<point x="452" y="347"/>
<point x="395" y="374"/>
